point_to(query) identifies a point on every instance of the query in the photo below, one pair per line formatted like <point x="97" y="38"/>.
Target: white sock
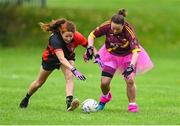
<point x="132" y="103"/>
<point x="106" y="95"/>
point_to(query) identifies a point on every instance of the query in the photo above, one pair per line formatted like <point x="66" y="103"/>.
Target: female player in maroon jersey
<point x="59" y="54"/>
<point x="122" y="52"/>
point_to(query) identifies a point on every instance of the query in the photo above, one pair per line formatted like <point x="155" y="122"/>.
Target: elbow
<point x="136" y="50"/>
<point x="62" y="60"/>
<point x="136" y="54"/>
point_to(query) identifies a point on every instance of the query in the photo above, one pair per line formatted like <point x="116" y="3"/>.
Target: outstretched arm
<point x="65" y="62"/>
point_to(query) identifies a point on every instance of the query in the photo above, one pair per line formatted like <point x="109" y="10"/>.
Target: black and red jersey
<point x="56" y="43"/>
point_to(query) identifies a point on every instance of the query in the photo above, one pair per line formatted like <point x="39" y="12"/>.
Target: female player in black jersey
<point x="59" y="54"/>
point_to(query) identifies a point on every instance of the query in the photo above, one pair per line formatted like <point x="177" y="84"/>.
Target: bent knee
<point x="130" y="82"/>
<point x="105" y="83"/>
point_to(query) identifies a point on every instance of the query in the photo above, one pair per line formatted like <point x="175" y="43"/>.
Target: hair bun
<point x="122" y="12"/>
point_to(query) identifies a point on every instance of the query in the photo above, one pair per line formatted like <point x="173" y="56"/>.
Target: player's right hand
<point x="89" y="52"/>
<point x="77" y="74"/>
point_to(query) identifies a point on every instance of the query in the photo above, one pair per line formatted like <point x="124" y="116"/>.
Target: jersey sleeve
<point x="100" y="31"/>
<point x="80" y="39"/>
<point x="55" y="43"/>
<point x="134" y="43"/>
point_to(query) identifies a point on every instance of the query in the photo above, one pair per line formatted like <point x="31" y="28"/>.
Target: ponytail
<point x="119" y="17"/>
<point x="122" y="12"/>
<point x="53" y="25"/>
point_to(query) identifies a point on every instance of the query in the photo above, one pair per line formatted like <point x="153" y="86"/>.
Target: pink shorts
<point x="113" y="63"/>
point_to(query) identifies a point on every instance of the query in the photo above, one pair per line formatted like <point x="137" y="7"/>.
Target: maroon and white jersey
<point x="119" y="44"/>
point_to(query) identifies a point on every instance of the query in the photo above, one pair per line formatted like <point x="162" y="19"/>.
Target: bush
<point x="155" y="28"/>
<point x="20" y="25"/>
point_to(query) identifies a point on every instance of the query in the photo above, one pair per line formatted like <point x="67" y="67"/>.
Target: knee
<point x="105" y="83"/>
<point x="130" y="82"/>
<point x="69" y="78"/>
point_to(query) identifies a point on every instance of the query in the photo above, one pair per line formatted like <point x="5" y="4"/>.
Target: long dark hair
<point x="119" y="17"/>
<point x="64" y="25"/>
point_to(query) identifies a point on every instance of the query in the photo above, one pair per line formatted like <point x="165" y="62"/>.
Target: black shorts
<point x="50" y="66"/>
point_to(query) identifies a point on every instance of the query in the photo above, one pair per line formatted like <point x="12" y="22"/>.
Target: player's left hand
<point x="128" y="71"/>
<point x="98" y="60"/>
